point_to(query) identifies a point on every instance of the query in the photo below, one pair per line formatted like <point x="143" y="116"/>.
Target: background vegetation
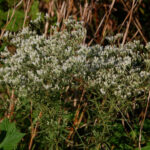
<point x="58" y="121"/>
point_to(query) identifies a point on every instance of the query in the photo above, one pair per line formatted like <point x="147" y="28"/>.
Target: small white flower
<point x="102" y="91"/>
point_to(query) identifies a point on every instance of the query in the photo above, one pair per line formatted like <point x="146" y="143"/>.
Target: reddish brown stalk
<point x="77" y="120"/>
<point x="124" y="20"/>
<point x="86" y="12"/>
<point x="27" y="9"/>
<point x="26" y="12"/>
<point x="61" y="11"/>
<point x="70" y="7"/>
<point x="12" y="105"/>
<point x="78" y="117"/>
<point x="128" y="24"/>
<point x="100" y="24"/>
<point x="33" y="129"/>
<point x="135" y="34"/>
<point x="135" y="22"/>
<point x="12" y="101"/>
<point x="50" y="11"/>
<point x="81" y="116"/>
<point x="107" y="18"/>
<point x="142" y="124"/>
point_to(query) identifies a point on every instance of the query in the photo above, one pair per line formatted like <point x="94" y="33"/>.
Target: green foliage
<point x="9" y="135"/>
<point x="147" y="147"/>
<point x="3" y="17"/>
<point x="18" y="19"/>
<point x="34" y="9"/>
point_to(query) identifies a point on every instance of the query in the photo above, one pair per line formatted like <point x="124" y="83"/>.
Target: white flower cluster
<point x="112" y="39"/>
<point x="52" y="63"/>
<point x="123" y="71"/>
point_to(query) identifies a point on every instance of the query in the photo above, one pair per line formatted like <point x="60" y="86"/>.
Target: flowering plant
<point x="52" y="66"/>
<point x="52" y="63"/>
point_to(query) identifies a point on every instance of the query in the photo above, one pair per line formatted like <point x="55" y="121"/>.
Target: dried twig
<point x="70" y="7"/>
<point x="128" y="24"/>
<point x="34" y="130"/>
<point x="86" y="12"/>
<point x="50" y="9"/>
<point x="26" y="13"/>
<point x="77" y="118"/>
<point x="12" y="105"/>
<point x="61" y="13"/>
<point x="135" y="34"/>
<point x="100" y="24"/>
<point x="135" y="22"/>
<point x="107" y="17"/>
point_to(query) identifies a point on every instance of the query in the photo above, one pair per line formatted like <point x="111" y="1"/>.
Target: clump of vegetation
<point x="69" y="95"/>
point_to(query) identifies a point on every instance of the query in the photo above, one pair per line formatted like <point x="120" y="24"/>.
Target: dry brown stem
<point x="50" y="13"/>
<point x="135" y="34"/>
<point x="142" y="124"/>
<point x="128" y="24"/>
<point x="61" y="11"/>
<point x="26" y="12"/>
<point x="86" y="12"/>
<point x="136" y="21"/>
<point x="34" y="129"/>
<point x="78" y="117"/>
<point x="100" y="24"/>
<point x="70" y="7"/>
<point x="107" y="18"/>
<point x="12" y="105"/>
